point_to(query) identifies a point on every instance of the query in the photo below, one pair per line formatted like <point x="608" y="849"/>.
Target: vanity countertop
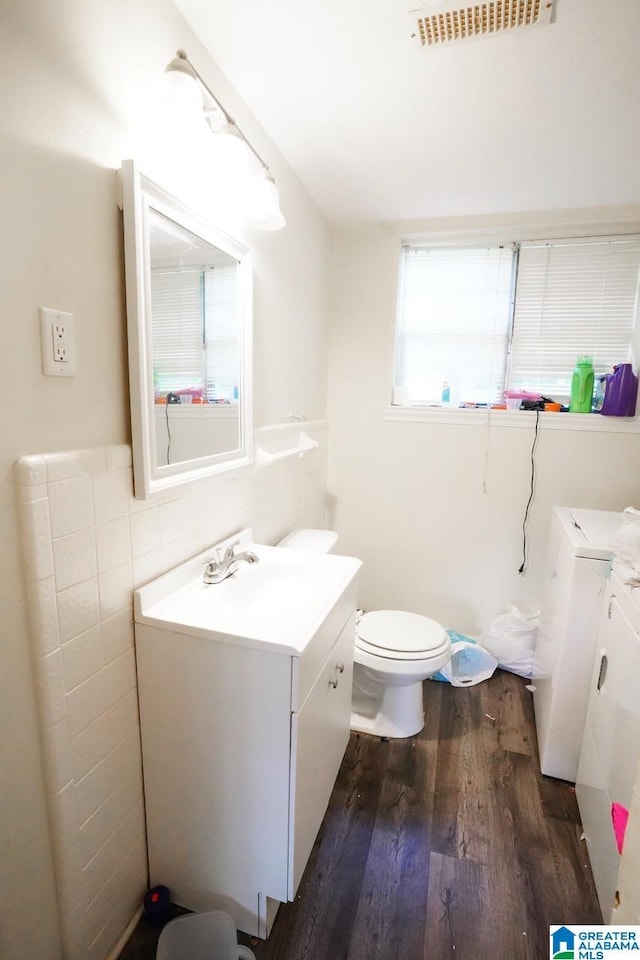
<point x="279" y="602"/>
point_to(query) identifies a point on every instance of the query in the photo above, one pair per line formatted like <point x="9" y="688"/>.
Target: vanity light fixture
<point x="232" y="145"/>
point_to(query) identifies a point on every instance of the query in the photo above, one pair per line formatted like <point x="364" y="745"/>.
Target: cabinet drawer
<point x="319" y="735"/>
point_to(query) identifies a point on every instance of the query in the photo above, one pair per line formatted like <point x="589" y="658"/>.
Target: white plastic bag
<point x="511" y="639"/>
<point x="469" y="664"/>
<point x="626" y="543"/>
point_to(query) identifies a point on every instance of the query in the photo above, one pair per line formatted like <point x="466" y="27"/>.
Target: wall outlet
<point x="58" y="343"/>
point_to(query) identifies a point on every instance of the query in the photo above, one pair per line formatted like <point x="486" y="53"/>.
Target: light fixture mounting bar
<point x="190" y="69"/>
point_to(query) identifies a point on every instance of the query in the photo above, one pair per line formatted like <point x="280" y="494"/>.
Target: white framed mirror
<point x="189" y="323"/>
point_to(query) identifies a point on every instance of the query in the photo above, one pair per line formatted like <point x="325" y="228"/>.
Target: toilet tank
<point x="316" y="541"/>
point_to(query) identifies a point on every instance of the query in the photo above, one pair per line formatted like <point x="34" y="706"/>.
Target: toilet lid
<point x="400" y="635"/>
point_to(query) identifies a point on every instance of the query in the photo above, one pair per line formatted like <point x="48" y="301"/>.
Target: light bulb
<point x="230" y="152"/>
<point x="264" y="203"/>
<point x="182" y="95"/>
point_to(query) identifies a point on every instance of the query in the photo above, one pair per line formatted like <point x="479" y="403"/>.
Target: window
<point x="475" y="321"/>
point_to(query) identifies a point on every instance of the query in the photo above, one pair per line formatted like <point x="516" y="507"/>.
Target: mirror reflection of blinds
<point x="195" y="331"/>
<point x="176" y="308"/>
<point x="454" y="323"/>
<point x="573" y="297"/>
<point x="221" y="333"/>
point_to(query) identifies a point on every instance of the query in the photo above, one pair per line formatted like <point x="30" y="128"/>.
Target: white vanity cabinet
<point x="611" y="744"/>
<point x="319" y="735"/>
<point x="241" y="743"/>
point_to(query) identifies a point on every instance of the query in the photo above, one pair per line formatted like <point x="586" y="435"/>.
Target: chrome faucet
<point x="219" y="568"/>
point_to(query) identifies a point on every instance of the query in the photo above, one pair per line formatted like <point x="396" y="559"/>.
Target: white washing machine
<point x="578" y="563"/>
<point x="611" y="744"/>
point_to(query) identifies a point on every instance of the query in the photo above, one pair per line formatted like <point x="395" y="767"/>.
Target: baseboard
<point x="119" y="946"/>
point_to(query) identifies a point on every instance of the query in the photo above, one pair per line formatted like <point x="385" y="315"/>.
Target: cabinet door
<point x="319" y="736"/>
<point x="614" y="705"/>
<point x="611" y="745"/>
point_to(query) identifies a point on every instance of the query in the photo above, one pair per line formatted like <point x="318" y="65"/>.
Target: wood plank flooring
<point x="449" y="845"/>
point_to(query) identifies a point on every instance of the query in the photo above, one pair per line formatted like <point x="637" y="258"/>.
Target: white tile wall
<point x="87" y="545"/>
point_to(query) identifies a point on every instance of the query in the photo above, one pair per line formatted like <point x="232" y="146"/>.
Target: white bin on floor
<point x="202" y="936"/>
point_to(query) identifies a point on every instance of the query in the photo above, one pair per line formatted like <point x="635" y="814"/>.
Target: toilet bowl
<point x="394" y="652"/>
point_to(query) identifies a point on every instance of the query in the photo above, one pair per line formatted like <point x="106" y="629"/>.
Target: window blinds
<point x="453" y="323"/>
<point x="221" y="338"/>
<point x="176" y="308"/>
<point x="195" y="331"/>
<point x="573" y="297"/>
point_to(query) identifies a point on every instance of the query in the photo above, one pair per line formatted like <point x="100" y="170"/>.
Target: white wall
<point x="408" y="498"/>
<point x="183" y="431"/>
<point x="73" y="76"/>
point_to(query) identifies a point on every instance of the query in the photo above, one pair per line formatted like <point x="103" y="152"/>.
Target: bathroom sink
<point x="271" y="588"/>
<point x="281" y="600"/>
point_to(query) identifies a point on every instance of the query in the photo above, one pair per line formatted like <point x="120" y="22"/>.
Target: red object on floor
<point x="157" y="905"/>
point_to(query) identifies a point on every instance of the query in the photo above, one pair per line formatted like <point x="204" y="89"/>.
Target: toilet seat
<point x="398" y="635"/>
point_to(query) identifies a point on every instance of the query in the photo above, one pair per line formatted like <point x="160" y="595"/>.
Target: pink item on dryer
<point x="619" y="816"/>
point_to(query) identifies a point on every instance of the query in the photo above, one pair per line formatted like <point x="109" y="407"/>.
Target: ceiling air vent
<point x="446" y="22"/>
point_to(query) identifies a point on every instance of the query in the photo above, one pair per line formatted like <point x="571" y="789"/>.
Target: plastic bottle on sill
<point x="598" y="397"/>
<point x="582" y="386"/>
<point x="450" y="396"/>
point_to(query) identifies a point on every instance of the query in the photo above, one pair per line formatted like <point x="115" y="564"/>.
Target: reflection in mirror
<point x="194" y="327"/>
<point x="189" y="326"/>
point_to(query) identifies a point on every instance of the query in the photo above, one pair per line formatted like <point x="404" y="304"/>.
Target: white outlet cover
<point x="49" y="320"/>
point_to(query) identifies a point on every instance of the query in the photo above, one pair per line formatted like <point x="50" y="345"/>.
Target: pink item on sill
<point x="190" y="391"/>
<point x="521" y="395"/>
<point x="619" y="817"/>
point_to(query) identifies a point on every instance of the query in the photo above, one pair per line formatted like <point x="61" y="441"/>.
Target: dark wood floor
<point x="450" y="844"/>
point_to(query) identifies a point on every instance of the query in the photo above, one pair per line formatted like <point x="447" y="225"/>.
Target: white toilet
<point x="394" y="652"/>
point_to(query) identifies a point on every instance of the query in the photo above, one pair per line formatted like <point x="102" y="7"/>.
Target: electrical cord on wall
<point x="166" y="413"/>
<point x="485" y="471"/>
<point x="533" y="478"/>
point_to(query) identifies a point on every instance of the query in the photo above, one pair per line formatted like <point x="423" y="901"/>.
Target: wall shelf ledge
<point x="265" y="458"/>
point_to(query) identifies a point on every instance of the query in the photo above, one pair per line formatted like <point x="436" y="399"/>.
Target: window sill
<point x="184" y="411"/>
<point x="514" y="418"/>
